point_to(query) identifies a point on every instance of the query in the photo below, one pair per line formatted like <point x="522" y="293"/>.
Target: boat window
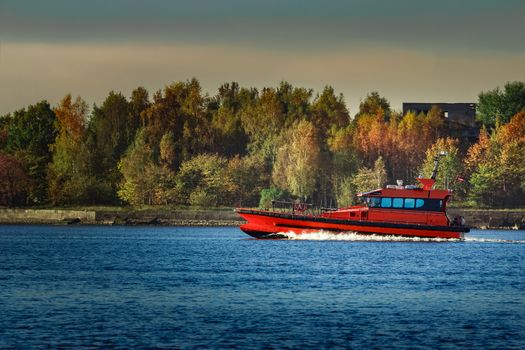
<point x="407" y="203"/>
<point x="410" y="203"/>
<point x="397" y="203"/>
<point x="429" y="204"/>
<point x="373" y="202"/>
<point x="433" y="205"/>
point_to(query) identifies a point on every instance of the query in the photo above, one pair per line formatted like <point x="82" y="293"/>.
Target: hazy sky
<point x="428" y="51"/>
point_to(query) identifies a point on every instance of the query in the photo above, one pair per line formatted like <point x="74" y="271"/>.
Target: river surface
<point x="180" y="287"/>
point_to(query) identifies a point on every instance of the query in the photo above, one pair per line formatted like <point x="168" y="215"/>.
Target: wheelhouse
<point x="405" y="203"/>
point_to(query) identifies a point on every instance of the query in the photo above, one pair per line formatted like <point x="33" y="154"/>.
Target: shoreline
<point x="120" y="217"/>
<point x="476" y="219"/>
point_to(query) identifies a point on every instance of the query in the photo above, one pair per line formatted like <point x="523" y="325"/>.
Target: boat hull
<point x="266" y="224"/>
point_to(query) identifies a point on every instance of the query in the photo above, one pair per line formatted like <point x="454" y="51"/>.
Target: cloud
<point x="296" y="25"/>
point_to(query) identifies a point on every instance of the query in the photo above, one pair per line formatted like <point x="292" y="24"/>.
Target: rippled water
<point x="129" y="287"/>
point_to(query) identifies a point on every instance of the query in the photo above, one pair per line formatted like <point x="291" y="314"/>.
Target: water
<point x="130" y="287"/>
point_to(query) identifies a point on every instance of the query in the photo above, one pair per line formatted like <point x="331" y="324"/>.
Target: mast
<point x="436" y="162"/>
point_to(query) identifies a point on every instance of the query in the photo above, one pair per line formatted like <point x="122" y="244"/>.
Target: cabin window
<point x="373" y="202"/>
<point x="397" y="203"/>
<point x="429" y="204"/>
<point x="407" y="203"/>
<point x="433" y="205"/>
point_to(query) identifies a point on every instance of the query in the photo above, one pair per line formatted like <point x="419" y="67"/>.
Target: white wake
<point x="492" y="240"/>
<point x="358" y="237"/>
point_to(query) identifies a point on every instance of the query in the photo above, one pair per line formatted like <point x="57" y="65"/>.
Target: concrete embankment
<point x="46" y="216"/>
<point x="498" y="219"/>
<point x="121" y="217"/>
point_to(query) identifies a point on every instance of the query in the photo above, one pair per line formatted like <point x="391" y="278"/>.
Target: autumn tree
<point x="138" y="103"/>
<point x="181" y="109"/>
<point x="497" y="165"/>
<point x="70" y="173"/>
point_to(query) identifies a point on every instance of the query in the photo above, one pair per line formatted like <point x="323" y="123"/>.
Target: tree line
<point x="245" y="146"/>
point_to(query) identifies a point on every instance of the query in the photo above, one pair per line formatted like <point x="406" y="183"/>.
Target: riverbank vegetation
<point x="244" y="147"/>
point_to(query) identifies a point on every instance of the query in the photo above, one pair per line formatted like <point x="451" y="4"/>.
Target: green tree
<point x="369" y="179"/>
<point x="497" y="106"/>
<point x="229" y="137"/>
<point x="31" y="132"/>
<point x="247" y="177"/>
<point x="345" y="192"/>
<point x="374" y="105"/>
<point x="484" y="184"/>
<point x="263" y="121"/>
<point x="450" y="166"/>
<point x="272" y="112"/>
<point x="344" y="162"/>
<point x="181" y="109"/>
<point x="203" y="180"/>
<point x="5" y="123"/>
<point x="108" y="131"/>
<point x="138" y="184"/>
<point x="329" y="110"/>
<point x="272" y="194"/>
<point x="297" y="166"/>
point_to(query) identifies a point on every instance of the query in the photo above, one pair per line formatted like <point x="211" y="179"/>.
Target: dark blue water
<point x="122" y="287"/>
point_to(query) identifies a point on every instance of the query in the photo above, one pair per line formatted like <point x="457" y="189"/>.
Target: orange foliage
<point x="478" y="151"/>
<point x="401" y="144"/>
<point x="71" y="117"/>
<point x="514" y="131"/>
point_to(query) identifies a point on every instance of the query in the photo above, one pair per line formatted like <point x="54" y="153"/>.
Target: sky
<point x="407" y="50"/>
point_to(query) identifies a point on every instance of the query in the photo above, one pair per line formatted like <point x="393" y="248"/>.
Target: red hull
<point x="268" y="224"/>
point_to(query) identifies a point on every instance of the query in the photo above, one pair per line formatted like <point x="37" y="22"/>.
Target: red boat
<point x="417" y="211"/>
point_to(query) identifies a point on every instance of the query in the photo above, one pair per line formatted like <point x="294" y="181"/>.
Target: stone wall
<point x="46" y="216"/>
